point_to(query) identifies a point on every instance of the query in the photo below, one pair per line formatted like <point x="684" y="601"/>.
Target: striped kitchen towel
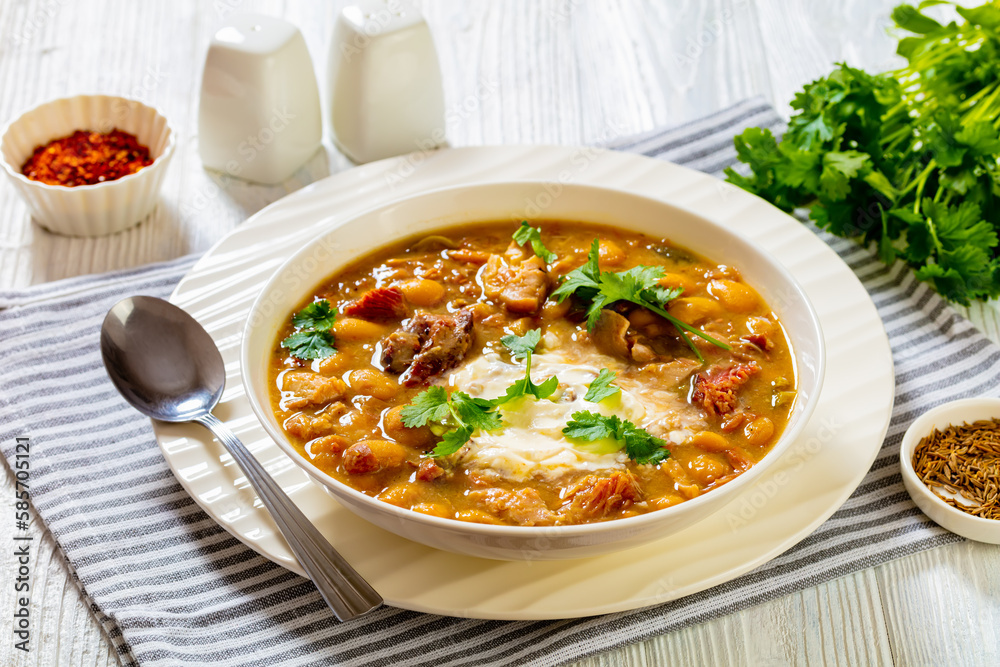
<point x="173" y="588"/>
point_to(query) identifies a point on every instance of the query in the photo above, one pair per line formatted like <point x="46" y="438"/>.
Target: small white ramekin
<point x="88" y="210"/>
<point x="943" y="514"/>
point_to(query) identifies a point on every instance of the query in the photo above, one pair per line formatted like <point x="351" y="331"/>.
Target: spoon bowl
<point x="142" y="342"/>
<point x="167" y="367"/>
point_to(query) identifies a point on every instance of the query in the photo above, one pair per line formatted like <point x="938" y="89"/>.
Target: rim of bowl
<point x="15" y="172"/>
<point x="914" y="434"/>
<point x="329" y="482"/>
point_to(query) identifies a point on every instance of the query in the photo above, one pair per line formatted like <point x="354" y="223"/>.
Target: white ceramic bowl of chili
<point x="954" y="413"/>
<point x="345" y="241"/>
<point x="88" y="210"/>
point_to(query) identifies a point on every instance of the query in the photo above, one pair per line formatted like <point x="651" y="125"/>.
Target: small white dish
<point x="88" y="210"/>
<point x="966" y="410"/>
<point x="259" y="115"/>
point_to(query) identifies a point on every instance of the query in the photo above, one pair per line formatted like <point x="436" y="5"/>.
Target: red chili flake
<point x="86" y="158"/>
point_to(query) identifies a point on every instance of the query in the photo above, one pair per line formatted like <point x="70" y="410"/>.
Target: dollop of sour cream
<point x="531" y="443"/>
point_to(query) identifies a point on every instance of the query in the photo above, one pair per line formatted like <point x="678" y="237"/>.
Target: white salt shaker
<point x="259" y="116"/>
<point x="384" y="82"/>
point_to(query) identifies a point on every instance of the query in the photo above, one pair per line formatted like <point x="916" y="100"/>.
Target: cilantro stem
<point x="681" y="327"/>
<point x="454" y="415"/>
<point x="918" y="182"/>
<point x="973" y="99"/>
<point x="977" y="112"/>
<point x="527" y="368"/>
<point x="899" y="140"/>
<point x="921" y="181"/>
<point x="932" y="228"/>
<point x="690" y="344"/>
<point x="896" y="136"/>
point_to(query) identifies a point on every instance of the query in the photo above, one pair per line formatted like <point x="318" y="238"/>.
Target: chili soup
<point x="655" y="374"/>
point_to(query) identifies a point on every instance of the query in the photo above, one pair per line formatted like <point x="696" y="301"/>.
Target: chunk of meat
<point x="739" y="458"/>
<point x="716" y="390"/>
<point x="398" y="350"/>
<point x="494" y="276"/>
<point x="429" y="470"/>
<point x="609" y="334"/>
<point x="641" y="352"/>
<point x="521" y="288"/>
<point x="381" y="304"/>
<point x="760" y="340"/>
<point x="527" y="288"/>
<point x="523" y="506"/>
<point x="516" y="253"/>
<point x="360" y="459"/>
<point x="302" y="388"/>
<point x="443" y="342"/>
<point x="670" y="373"/>
<point x="595" y="497"/>
<point x="308" y="426"/>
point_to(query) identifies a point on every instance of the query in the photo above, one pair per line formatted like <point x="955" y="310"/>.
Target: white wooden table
<point x="558" y="71"/>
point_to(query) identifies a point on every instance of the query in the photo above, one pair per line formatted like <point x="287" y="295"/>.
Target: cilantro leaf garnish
<point x="528" y="234"/>
<point x="474" y="412"/>
<point x="312" y="338"/>
<point x="310" y="344"/>
<point x="430" y="405"/>
<point x="524" y="346"/>
<point x="639" y="285"/>
<point x="525" y="387"/>
<point x="461" y="414"/>
<point x="639" y="444"/>
<point x="317" y="316"/>
<point x="452" y="441"/>
<point x="601" y="388"/>
<point x="587" y="425"/>
<point x="584" y="282"/>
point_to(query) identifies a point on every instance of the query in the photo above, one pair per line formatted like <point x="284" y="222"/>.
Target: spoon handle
<point x="347" y="593"/>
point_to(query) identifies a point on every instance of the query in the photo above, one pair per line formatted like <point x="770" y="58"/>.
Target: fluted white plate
<point x="809" y="484"/>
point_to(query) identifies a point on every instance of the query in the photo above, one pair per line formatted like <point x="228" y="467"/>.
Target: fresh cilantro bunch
<point x="528" y="234"/>
<point x="639" y="444"/>
<point x="312" y="338"/>
<point x="459" y="414"/>
<point x="639" y="285"/>
<point x="908" y="160"/>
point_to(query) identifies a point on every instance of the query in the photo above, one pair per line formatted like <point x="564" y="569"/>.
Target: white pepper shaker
<point x="259" y="116"/>
<point x="384" y="82"/>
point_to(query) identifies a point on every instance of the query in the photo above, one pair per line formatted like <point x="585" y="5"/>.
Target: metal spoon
<point x="167" y="366"/>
